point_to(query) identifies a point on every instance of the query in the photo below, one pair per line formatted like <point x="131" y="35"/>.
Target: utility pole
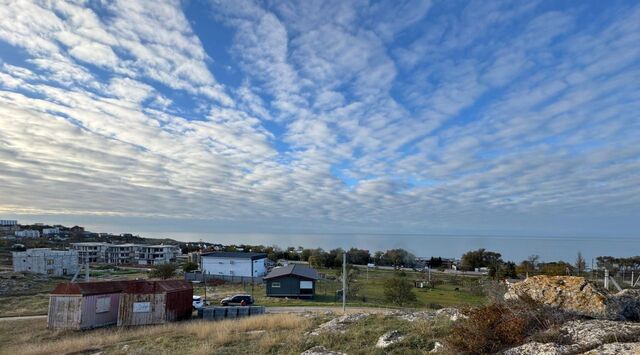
<point x="344" y="282"/>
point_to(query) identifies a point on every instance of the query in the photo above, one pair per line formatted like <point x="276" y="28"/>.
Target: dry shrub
<point x="501" y="325"/>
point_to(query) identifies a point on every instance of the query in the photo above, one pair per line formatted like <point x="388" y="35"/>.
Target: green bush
<point x="399" y="291"/>
<point x="163" y="271"/>
<point x="190" y="266"/>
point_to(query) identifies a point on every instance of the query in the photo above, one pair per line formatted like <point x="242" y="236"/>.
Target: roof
<point x="295" y="270"/>
<point x="157" y="286"/>
<point x="89" y="288"/>
<point x="128" y="286"/>
<point x="235" y="255"/>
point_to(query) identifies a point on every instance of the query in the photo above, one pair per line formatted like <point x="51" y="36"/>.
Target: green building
<point x="294" y="280"/>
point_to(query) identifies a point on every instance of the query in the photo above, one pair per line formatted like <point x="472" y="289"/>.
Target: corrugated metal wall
<point x="156" y="314"/>
<point x="92" y="319"/>
<point x="179" y="305"/>
<point x="64" y="312"/>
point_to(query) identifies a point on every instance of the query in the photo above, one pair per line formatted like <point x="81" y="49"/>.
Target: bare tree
<point x="581" y="264"/>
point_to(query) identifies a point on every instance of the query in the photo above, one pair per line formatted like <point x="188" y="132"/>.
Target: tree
<point x="399" y="291"/>
<point x="581" y="264"/>
<point x="163" y="271"/>
<point x="480" y="258"/>
<point x="190" y="266"/>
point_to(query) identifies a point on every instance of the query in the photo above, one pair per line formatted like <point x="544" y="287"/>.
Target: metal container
<point x="243" y="312"/>
<point x="232" y="312"/>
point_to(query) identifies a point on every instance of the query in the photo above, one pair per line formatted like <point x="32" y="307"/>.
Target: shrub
<point x="163" y="271"/>
<point x="399" y="291"/>
<point x="190" y="266"/>
<point x="501" y="325"/>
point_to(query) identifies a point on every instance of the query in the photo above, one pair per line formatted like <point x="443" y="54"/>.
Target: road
<point x="269" y="310"/>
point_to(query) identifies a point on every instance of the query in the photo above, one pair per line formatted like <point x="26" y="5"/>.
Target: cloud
<point x="407" y="118"/>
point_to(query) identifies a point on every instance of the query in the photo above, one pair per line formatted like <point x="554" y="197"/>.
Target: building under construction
<point x="46" y="261"/>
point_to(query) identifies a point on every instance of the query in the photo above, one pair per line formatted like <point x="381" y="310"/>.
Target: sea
<point x="514" y="248"/>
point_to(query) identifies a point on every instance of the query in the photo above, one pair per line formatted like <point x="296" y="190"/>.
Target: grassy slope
<point x="371" y="288"/>
<point x="269" y="334"/>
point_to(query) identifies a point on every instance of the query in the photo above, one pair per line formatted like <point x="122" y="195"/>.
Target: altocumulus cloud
<point x="408" y="116"/>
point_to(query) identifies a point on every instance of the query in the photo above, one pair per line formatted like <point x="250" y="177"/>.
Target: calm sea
<point x="514" y="248"/>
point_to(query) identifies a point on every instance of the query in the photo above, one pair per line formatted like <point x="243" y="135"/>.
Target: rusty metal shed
<point x="85" y="305"/>
<point x="155" y="302"/>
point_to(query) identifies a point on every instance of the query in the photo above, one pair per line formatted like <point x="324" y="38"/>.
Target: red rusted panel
<point x="89" y="288"/>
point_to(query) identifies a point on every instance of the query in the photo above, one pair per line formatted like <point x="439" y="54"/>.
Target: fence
<point x="198" y="276"/>
<point x="221" y="313"/>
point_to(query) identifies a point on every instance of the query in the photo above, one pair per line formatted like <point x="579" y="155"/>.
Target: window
<point x="275" y="285"/>
<point x="103" y="304"/>
<point x="49" y="261"/>
<point x="306" y="284"/>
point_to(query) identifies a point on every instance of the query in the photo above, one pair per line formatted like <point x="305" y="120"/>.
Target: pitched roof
<point x="157" y="286"/>
<point x="235" y="255"/>
<point x="89" y="288"/>
<point x="293" y="269"/>
<point x="129" y="286"/>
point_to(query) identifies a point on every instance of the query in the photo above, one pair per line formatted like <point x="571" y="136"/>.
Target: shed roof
<point x="157" y="286"/>
<point x="235" y="255"/>
<point x="293" y="269"/>
<point x="89" y="288"/>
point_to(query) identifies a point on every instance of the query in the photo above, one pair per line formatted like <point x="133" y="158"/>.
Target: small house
<point x="155" y="302"/>
<point x="293" y="280"/>
<point x="84" y="305"/>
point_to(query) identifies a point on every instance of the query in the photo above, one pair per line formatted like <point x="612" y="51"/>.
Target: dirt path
<point x="304" y="309"/>
<point x="8" y="319"/>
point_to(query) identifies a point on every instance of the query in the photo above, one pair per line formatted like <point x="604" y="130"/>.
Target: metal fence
<point x="198" y="276"/>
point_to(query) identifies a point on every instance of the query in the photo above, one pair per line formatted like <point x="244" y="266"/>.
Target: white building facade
<point x="234" y="264"/>
<point x="50" y="231"/>
<point x="46" y="261"/>
<point x="28" y="234"/>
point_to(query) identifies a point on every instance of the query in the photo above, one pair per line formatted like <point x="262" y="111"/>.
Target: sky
<point x="454" y="117"/>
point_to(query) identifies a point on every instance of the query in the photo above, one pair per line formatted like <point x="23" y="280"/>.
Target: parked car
<point x="197" y="303"/>
<point x="237" y="300"/>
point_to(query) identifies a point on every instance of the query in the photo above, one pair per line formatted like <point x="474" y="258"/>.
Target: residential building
<point x="50" y="231"/>
<point x="126" y="254"/>
<point x="293" y="280"/>
<point x="234" y="264"/>
<point x="27" y="233"/>
<point x="46" y="261"/>
<point x="8" y="222"/>
<point x="8" y="226"/>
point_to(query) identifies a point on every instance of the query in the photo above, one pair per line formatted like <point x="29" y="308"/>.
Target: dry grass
<point x="186" y="337"/>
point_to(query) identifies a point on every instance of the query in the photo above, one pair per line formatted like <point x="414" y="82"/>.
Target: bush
<point x="163" y="271"/>
<point x="190" y="266"/>
<point x="399" y="291"/>
<point x="500" y="325"/>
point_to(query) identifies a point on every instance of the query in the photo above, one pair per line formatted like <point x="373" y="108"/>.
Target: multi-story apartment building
<point x="50" y="231"/>
<point x="126" y="254"/>
<point x="46" y="261"/>
<point x="28" y="234"/>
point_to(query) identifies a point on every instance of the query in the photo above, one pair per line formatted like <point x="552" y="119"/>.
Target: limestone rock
<point x="615" y="349"/>
<point x="591" y="336"/>
<point x="437" y="347"/>
<point x="340" y="324"/>
<point x="536" y="348"/>
<point x="389" y="338"/>
<point x="321" y="350"/>
<point x="453" y="314"/>
<point x="570" y="293"/>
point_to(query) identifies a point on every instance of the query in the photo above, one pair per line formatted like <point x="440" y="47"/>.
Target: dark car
<point x="237" y="300"/>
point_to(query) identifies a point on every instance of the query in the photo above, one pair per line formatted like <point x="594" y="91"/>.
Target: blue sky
<point x="500" y="117"/>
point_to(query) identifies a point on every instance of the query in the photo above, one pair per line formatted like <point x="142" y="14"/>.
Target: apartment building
<point x="46" y="261"/>
<point x="27" y="234"/>
<point x="126" y="254"/>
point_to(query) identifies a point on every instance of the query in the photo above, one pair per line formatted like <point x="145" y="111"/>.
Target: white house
<point x="46" y="261"/>
<point x="234" y="264"/>
<point x="28" y="234"/>
<point x="50" y="231"/>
